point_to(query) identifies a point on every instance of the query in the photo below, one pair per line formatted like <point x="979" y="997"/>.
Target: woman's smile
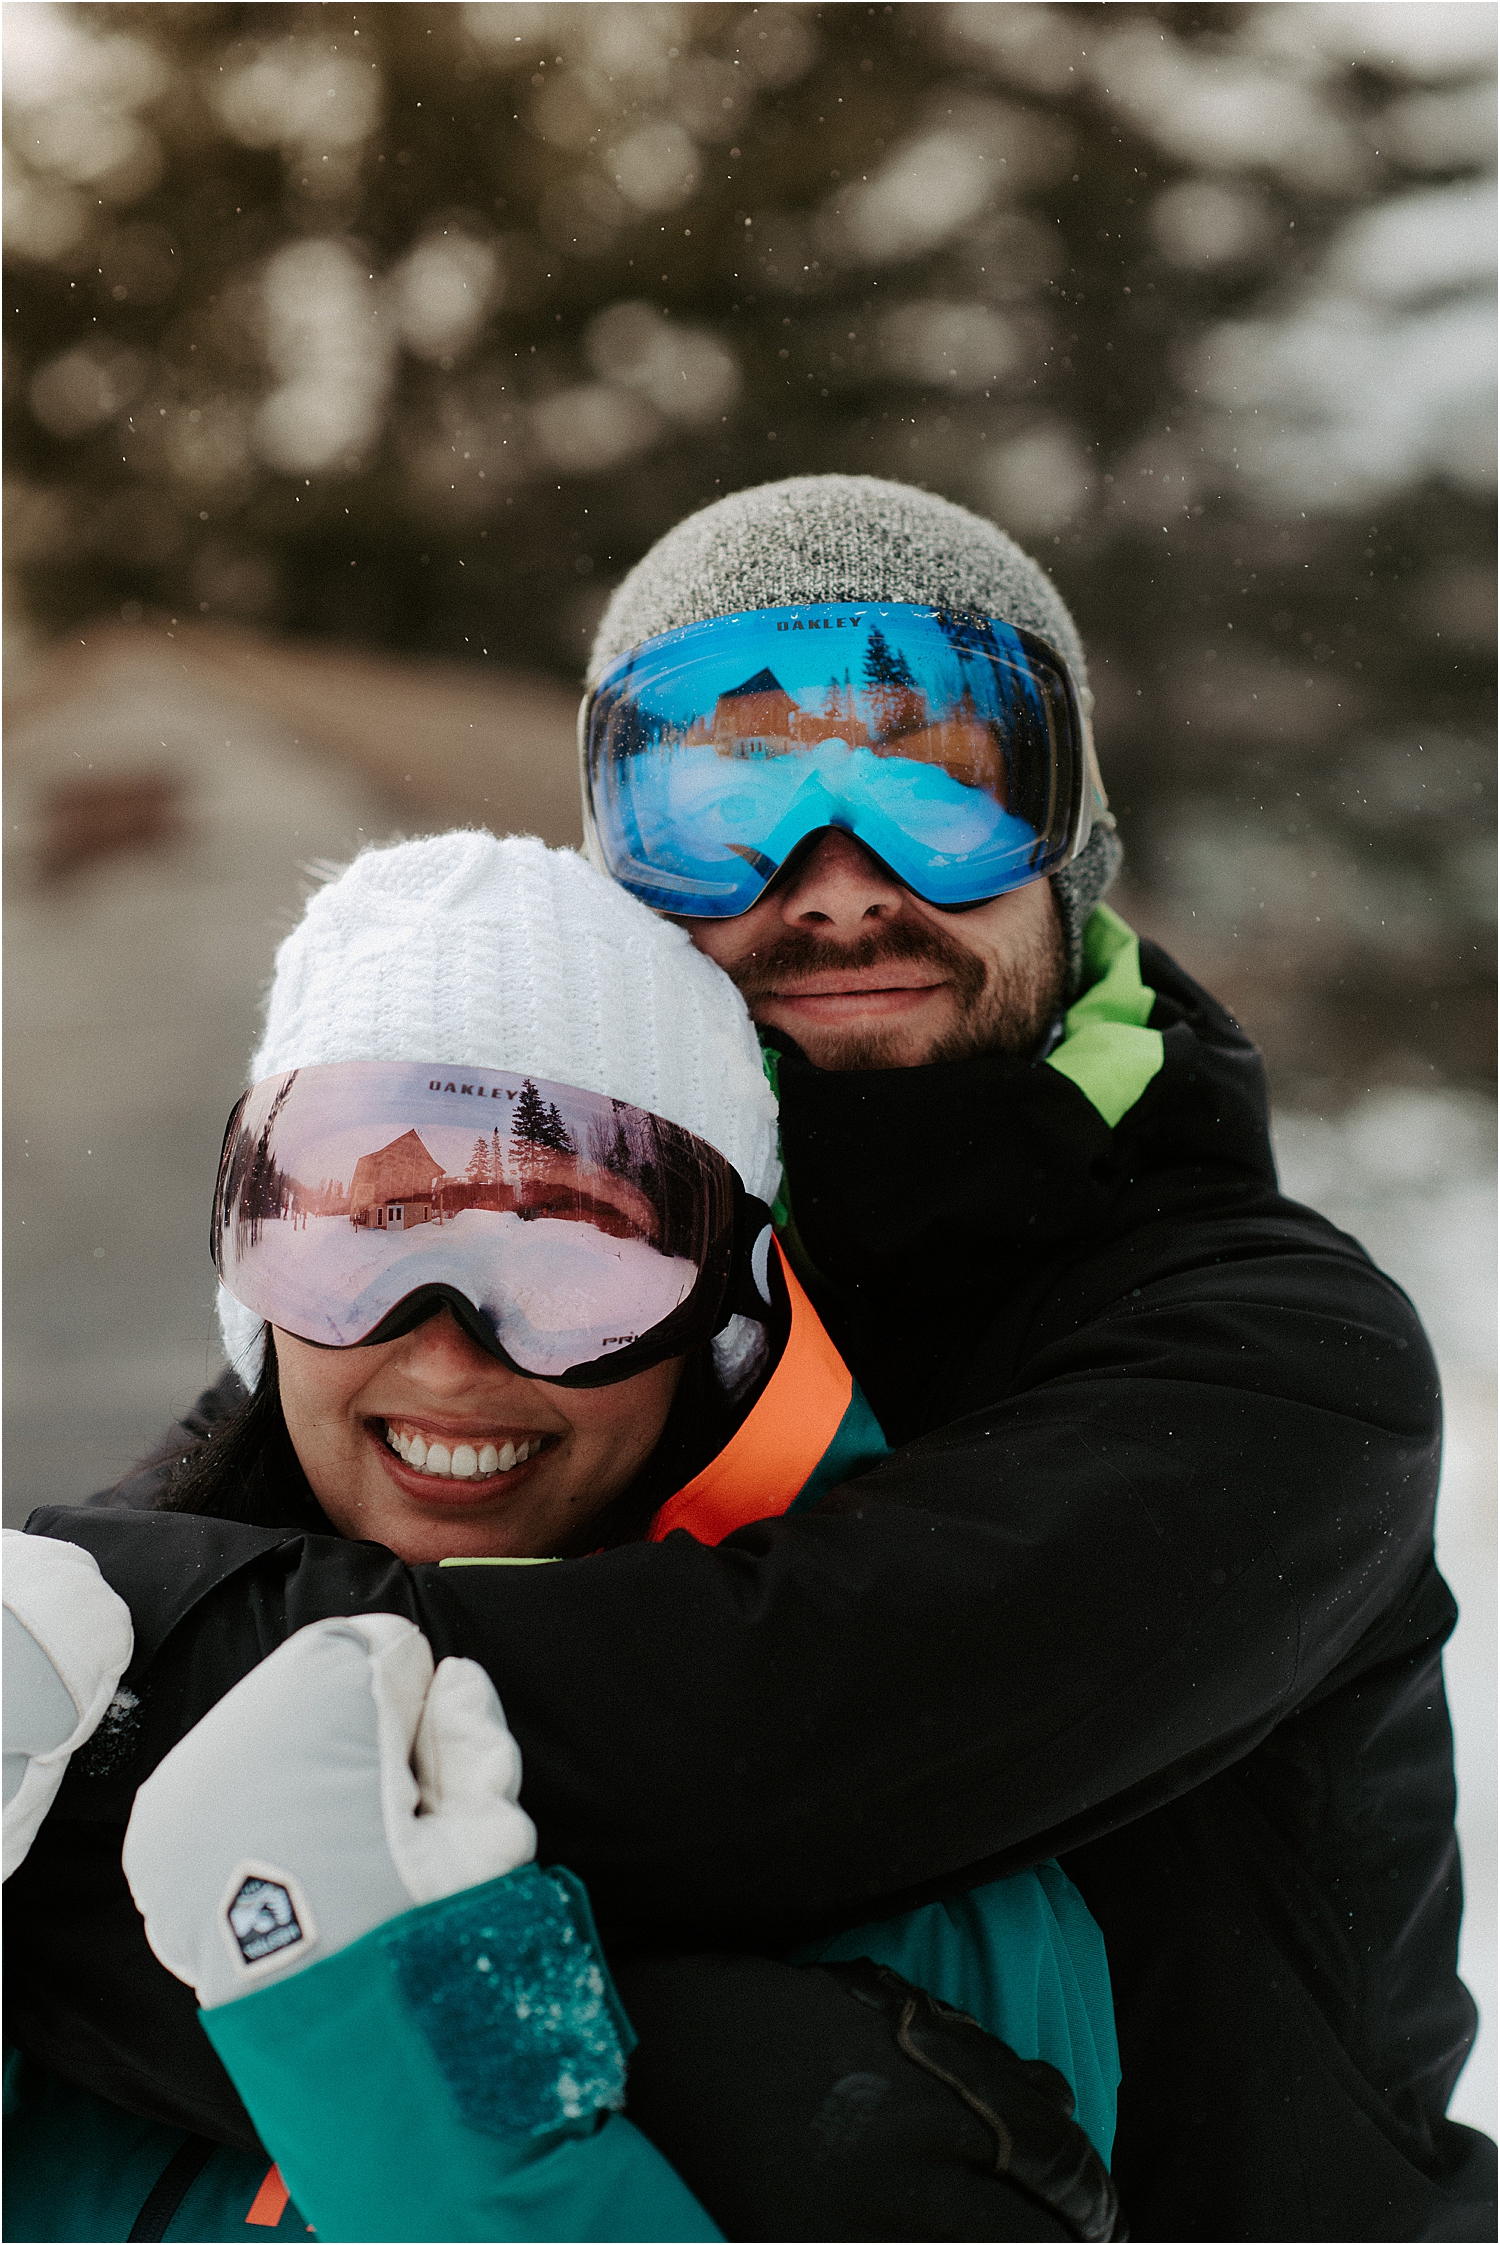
<point x="475" y="1459"/>
<point x="434" y="1448"/>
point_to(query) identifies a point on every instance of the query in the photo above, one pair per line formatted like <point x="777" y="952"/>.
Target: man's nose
<point x="840" y="887"/>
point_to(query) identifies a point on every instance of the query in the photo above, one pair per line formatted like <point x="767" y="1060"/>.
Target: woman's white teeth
<point x="464" y="1461"/>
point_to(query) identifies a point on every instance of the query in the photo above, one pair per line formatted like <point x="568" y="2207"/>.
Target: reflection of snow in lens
<point x="694" y="785"/>
<point x="570" y="1293"/>
<point x="558" y="1293"/>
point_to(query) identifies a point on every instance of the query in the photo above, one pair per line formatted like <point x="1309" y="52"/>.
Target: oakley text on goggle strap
<point x="950" y="745"/>
<point x="575" y="1237"/>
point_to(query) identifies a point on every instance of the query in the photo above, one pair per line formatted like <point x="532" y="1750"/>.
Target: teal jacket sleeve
<point x="457" y="2074"/>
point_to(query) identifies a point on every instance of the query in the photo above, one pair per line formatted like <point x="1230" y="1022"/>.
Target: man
<point x="1149" y="1582"/>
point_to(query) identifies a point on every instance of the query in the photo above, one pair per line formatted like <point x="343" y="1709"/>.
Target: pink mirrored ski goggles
<point x="575" y="1237"/>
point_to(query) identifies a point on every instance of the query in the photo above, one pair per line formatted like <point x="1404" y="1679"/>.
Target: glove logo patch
<point x="263" y="1919"/>
<point x="264" y="1913"/>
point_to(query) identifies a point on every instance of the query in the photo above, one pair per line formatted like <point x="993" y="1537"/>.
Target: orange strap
<point x="269" y="2202"/>
<point x="765" y="1465"/>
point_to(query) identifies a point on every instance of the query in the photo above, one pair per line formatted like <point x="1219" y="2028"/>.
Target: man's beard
<point x="1005" y="1008"/>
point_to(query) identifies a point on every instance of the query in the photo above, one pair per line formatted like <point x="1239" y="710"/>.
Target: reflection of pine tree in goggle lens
<point x="950" y="745"/>
<point x="575" y="1236"/>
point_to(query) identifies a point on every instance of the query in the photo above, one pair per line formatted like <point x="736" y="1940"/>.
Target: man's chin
<point x="1013" y="1025"/>
<point x="855" y="1044"/>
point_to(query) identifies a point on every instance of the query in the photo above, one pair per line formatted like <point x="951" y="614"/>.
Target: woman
<point x="512" y="1307"/>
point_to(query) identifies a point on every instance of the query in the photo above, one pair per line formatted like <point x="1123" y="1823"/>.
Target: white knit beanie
<point x="492" y="953"/>
<point x="842" y="537"/>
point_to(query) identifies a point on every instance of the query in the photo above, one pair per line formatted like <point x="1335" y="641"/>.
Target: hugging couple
<point x="729" y="1639"/>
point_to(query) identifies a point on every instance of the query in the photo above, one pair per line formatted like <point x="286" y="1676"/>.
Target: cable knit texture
<point x="486" y="953"/>
<point x="837" y="537"/>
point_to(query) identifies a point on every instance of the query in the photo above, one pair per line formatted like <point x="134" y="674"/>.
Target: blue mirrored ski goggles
<point x="950" y="745"/>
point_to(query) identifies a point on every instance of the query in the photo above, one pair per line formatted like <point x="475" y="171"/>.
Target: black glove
<point x="815" y="2102"/>
<point x="1024" y="2101"/>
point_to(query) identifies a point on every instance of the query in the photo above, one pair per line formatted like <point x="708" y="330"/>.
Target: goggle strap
<point x="768" y="1461"/>
<point x="742" y="1297"/>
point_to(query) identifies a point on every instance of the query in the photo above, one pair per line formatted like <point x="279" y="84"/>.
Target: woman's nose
<point x="445" y="1358"/>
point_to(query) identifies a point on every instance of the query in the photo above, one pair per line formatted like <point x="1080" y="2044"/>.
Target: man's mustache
<point x="799" y="954"/>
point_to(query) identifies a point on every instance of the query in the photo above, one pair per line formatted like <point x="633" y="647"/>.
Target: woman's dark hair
<point x="242" y="1466"/>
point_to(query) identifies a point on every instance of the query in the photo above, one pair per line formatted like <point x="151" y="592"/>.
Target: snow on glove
<point x="339" y="1784"/>
<point x="67" y="1642"/>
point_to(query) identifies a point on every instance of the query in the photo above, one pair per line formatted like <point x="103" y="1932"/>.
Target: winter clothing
<point x="837" y="537"/>
<point x="1191" y="1418"/>
<point x="346" y="1780"/>
<point x="366" y="2087"/>
<point x="1078" y="888"/>
<point x="335" y="1860"/>
<point x="831" y="2050"/>
<point x="85" y="2169"/>
<point x="1019" y="1955"/>
<point x="837" y="2100"/>
<point x="832" y="537"/>
<point x="506" y="954"/>
<point x="67" y="1642"/>
<point x="476" y="2153"/>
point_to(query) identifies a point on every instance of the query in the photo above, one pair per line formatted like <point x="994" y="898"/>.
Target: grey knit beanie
<point x="837" y="537"/>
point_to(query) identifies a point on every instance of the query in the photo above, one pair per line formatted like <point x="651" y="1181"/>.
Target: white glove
<point x="67" y="1643"/>
<point x="338" y="1784"/>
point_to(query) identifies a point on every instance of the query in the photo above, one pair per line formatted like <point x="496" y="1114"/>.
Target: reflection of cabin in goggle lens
<point x="396" y="1188"/>
<point x="402" y="1186"/>
<point x="760" y="718"/>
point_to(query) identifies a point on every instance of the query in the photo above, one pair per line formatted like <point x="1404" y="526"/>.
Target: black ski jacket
<point x="1149" y="1584"/>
